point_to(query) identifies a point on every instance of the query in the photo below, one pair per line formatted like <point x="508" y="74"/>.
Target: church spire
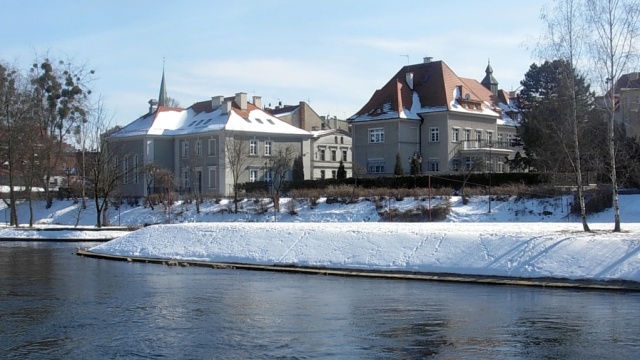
<point x="163" y="100"/>
<point x="489" y="81"/>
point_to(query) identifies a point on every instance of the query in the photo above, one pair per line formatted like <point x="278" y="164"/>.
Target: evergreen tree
<point x="398" y="170"/>
<point x="297" y="174"/>
<point x="342" y="173"/>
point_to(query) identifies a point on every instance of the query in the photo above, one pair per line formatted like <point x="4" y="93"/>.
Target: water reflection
<point x="66" y="306"/>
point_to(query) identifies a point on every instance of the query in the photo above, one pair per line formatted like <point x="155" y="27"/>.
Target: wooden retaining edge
<point x="621" y="285"/>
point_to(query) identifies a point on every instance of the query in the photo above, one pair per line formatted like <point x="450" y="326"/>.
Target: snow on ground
<point x="519" y="238"/>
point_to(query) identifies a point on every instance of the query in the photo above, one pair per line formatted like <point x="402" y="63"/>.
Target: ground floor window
<point x="433" y="165"/>
<point x="213" y="178"/>
<point x="376" y="167"/>
<point x="253" y="175"/>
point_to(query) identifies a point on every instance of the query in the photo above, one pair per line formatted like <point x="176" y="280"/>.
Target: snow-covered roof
<point x="202" y="117"/>
<point x="430" y="87"/>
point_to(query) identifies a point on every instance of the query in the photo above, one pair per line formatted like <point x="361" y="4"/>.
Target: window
<point x="213" y="147"/>
<point x="185" y="149"/>
<point x="198" y="148"/>
<point x="455" y="135"/>
<point x="376" y="167"/>
<point x="334" y="156"/>
<point x="468" y="162"/>
<point x="490" y="137"/>
<point x="185" y="179"/>
<point x="125" y="170"/>
<point x="455" y="165"/>
<point x="376" y="135"/>
<point x="268" y="176"/>
<point x="149" y="146"/>
<point x="253" y="147"/>
<point x="321" y="174"/>
<point x="267" y="148"/>
<point x="501" y="139"/>
<point x="335" y="139"/>
<point x="333" y="174"/>
<point x="344" y="155"/>
<point x="433" y="165"/>
<point x="213" y="178"/>
<point x="342" y="137"/>
<point x="253" y="175"/>
<point x="510" y="140"/>
<point x="479" y="137"/>
<point x="467" y="134"/>
<point x="434" y="134"/>
<point x="135" y="168"/>
<point x="322" y="155"/>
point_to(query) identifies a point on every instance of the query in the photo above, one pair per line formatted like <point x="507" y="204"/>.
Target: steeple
<point x="163" y="100"/>
<point x="489" y="81"/>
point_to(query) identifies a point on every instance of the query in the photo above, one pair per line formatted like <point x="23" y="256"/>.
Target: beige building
<point x="436" y="121"/>
<point x="329" y="149"/>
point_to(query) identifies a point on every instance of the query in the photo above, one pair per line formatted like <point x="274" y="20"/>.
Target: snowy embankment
<point x="557" y="250"/>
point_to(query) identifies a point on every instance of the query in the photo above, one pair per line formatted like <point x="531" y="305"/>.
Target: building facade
<point x="436" y="122"/>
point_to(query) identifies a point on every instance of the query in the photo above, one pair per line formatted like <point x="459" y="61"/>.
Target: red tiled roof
<point x="434" y="82"/>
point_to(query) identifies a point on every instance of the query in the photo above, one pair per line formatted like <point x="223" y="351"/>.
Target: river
<point x="57" y="305"/>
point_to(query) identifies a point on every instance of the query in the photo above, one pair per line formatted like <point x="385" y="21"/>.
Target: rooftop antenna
<point x="407" y="58"/>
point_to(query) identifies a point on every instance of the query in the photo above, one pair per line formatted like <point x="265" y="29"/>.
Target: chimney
<point x="226" y="107"/>
<point x="303" y="115"/>
<point x="427" y="59"/>
<point x="257" y="101"/>
<point x="410" y="80"/>
<point x="216" y="101"/>
<point x="153" y="105"/>
<point x="241" y="100"/>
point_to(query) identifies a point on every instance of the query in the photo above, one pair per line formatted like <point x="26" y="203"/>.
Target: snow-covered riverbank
<point x="558" y="250"/>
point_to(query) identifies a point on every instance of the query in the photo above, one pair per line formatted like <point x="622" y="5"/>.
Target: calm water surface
<point x="56" y="305"/>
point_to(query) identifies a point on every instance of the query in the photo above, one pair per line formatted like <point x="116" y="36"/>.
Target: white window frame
<point x="501" y="139"/>
<point x="213" y="178"/>
<point x="334" y="155"/>
<point x="185" y="179"/>
<point x="135" y="168"/>
<point x="213" y="147"/>
<point x="125" y="169"/>
<point x="253" y="175"/>
<point x="376" y="167"/>
<point x="198" y="148"/>
<point x="376" y="135"/>
<point x="433" y="165"/>
<point x="434" y="134"/>
<point x="185" y="149"/>
<point x="322" y="154"/>
<point x="489" y="137"/>
<point x="268" y="147"/>
<point x="344" y="155"/>
<point x="253" y="147"/>
<point x="455" y="135"/>
<point x="334" y="174"/>
<point x="268" y="176"/>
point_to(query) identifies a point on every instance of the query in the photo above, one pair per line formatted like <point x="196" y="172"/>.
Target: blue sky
<point x="333" y="54"/>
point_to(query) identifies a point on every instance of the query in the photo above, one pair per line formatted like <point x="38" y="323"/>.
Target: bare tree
<point x="14" y="103"/>
<point x="236" y="153"/>
<point x="613" y="47"/>
<point x="103" y="172"/>
<point x="564" y="40"/>
<point x="279" y="165"/>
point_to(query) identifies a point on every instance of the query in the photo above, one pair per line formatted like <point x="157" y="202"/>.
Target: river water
<point x="56" y="305"/>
